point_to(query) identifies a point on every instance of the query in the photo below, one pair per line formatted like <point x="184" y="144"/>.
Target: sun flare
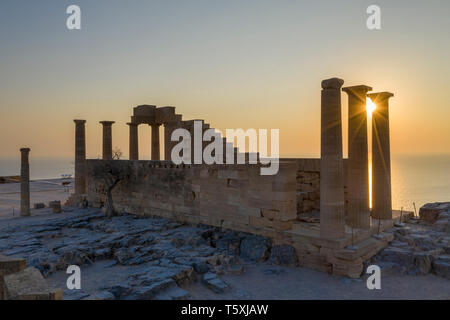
<point x="370" y="106"/>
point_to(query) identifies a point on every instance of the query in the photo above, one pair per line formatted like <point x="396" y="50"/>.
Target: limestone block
<point x="39" y="205"/>
<point x="249" y="211"/>
<point x="282" y="225"/>
<point x="29" y="284"/>
<point x="270" y="213"/>
<point x="261" y="222"/>
<point x="55" y="206"/>
<point x="352" y="269"/>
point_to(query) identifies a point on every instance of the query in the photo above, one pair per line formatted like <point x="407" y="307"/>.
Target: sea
<point x="416" y="179"/>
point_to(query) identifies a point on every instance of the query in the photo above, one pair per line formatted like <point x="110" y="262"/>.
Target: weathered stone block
<point x="29" y="284"/>
<point x="283" y="255"/>
<point x="55" y="206"/>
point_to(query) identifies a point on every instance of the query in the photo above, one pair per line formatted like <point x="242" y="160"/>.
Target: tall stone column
<point x="80" y="156"/>
<point x="332" y="215"/>
<point x="358" y="215"/>
<point x="155" y="142"/>
<point x="134" y="144"/>
<point x="24" y="183"/>
<point x="381" y="157"/>
<point x="107" y="139"/>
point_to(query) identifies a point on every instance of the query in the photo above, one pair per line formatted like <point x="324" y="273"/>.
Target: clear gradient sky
<point x="235" y="63"/>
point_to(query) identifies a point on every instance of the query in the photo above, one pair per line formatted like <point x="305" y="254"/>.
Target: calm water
<point x="418" y="179"/>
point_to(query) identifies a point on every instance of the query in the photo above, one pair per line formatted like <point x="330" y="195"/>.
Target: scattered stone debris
<point x="214" y="283"/>
<point x="420" y="246"/>
<point x="55" y="206"/>
<point x="430" y="212"/>
<point x="255" y="248"/>
<point x="284" y="255"/>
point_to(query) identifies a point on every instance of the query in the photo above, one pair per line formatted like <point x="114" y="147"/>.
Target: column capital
<point x="107" y="123"/>
<point x="78" y="122"/>
<point x="380" y="96"/>
<point x="132" y="124"/>
<point x="357" y="90"/>
<point x="332" y="83"/>
<point x="25" y="150"/>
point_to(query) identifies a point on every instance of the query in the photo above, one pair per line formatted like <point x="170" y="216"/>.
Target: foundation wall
<point x="235" y="197"/>
<point x="220" y="195"/>
<point x="230" y="196"/>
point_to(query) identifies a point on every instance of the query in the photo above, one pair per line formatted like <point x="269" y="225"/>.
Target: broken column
<point x="24" y="182"/>
<point x="134" y="146"/>
<point x="381" y="157"/>
<point x="80" y="156"/>
<point x="155" y="141"/>
<point x="107" y="139"/>
<point x="358" y="215"/>
<point x="332" y="219"/>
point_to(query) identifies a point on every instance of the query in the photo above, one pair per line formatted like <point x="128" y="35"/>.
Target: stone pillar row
<point x="332" y="206"/>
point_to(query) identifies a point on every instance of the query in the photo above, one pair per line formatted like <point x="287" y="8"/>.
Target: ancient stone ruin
<point x="282" y="207"/>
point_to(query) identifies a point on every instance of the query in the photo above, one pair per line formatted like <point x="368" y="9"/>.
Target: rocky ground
<point x="421" y="245"/>
<point x="129" y="257"/>
<point x="146" y="257"/>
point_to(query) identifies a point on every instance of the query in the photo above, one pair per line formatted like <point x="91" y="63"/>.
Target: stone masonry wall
<point x="308" y="184"/>
<point x="230" y="196"/>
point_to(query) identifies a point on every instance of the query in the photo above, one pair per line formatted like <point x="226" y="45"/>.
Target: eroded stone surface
<point x="155" y="257"/>
<point x="421" y="246"/>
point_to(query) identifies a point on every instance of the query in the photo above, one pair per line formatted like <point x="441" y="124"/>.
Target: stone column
<point x="155" y="142"/>
<point x="168" y="143"/>
<point x="107" y="139"/>
<point x="134" y="144"/>
<point x="24" y="183"/>
<point x="358" y="215"/>
<point x="80" y="157"/>
<point x="381" y="157"/>
<point x="332" y="215"/>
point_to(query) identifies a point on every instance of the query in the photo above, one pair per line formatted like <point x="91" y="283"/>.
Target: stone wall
<point x="308" y="185"/>
<point x="230" y="196"/>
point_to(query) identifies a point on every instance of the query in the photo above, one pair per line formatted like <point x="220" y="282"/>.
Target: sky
<point x="235" y="63"/>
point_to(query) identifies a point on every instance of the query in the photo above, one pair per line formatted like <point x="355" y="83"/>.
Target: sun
<point x="370" y="106"/>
